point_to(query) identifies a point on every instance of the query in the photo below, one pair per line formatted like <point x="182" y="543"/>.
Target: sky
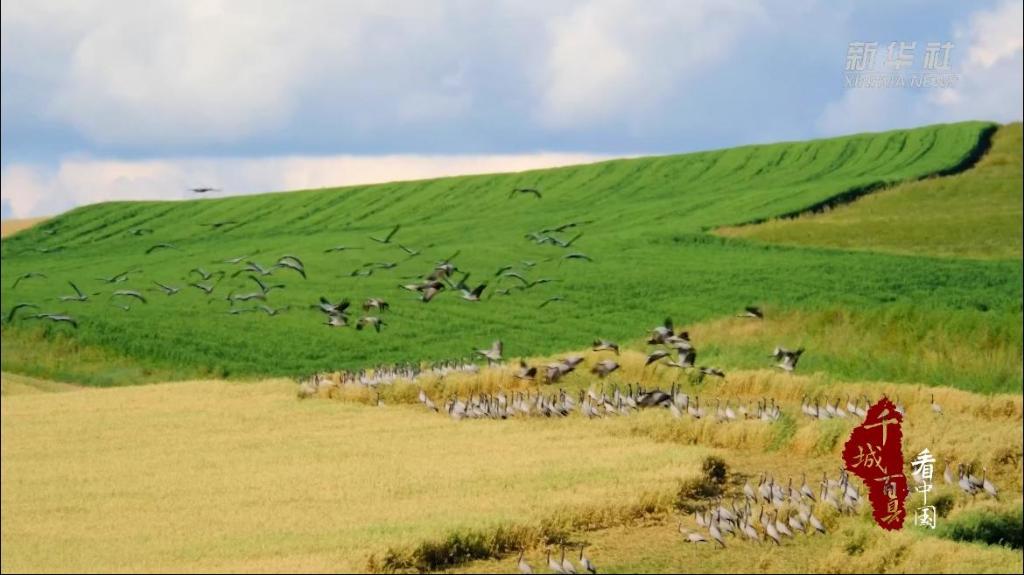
<point x="118" y="100"/>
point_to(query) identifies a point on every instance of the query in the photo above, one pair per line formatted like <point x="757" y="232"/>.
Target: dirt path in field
<point x="14" y="384"/>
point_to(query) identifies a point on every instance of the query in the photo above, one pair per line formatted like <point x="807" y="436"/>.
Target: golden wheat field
<point x="200" y="476"/>
<point x="212" y="475"/>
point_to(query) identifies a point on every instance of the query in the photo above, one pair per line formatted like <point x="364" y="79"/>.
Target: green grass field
<point x="976" y="214"/>
<point x="646" y="231"/>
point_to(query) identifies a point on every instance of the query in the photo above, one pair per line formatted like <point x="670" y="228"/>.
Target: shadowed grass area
<point x="854" y="547"/>
<point x="994" y="525"/>
<point x="975" y="214"/>
<point x="55" y="354"/>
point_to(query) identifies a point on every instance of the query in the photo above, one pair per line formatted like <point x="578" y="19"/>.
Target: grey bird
<point x="752" y="312"/>
<point x="374" y="321"/>
<point x="291" y="264"/>
<point x="264" y="287"/>
<point x="163" y="246"/>
<point x="17" y="306"/>
<point x="577" y="256"/>
<point x="57" y="318"/>
<point x="655" y="356"/>
<point x="525" y="372"/>
<point x="116" y="279"/>
<point x="206" y="288"/>
<point x="26" y="276"/>
<point x="79" y="296"/>
<point x="474" y="295"/>
<point x="493" y="354"/>
<point x="551" y="299"/>
<point x="605" y="367"/>
<point x="605" y="345"/>
<point x="686" y="359"/>
<point x="129" y="293"/>
<point x="340" y="249"/>
<point x="524" y="191"/>
<point x="523" y="566"/>
<point x="375" y="303"/>
<point x="789" y="358"/>
<point x="333" y="308"/>
<point x="585" y="562"/>
<point x="412" y="252"/>
<point x="273" y="311"/>
<point x="169" y="290"/>
<point x="203" y="274"/>
<point x="387" y="239"/>
<point x="661" y="332"/>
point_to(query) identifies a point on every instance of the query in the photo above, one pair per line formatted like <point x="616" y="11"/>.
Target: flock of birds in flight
<point x="337" y="314"/>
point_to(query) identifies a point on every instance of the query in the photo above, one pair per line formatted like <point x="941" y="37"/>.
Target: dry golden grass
<point x="10" y="227"/>
<point x="203" y="476"/>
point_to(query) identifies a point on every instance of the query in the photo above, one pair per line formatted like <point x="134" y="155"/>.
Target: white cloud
<point x="168" y="72"/>
<point x="33" y="190"/>
<point x="609" y="58"/>
<point x="996" y="34"/>
<point x="991" y="48"/>
<point x="177" y="73"/>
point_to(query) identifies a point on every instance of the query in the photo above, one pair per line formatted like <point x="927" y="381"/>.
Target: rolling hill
<point x="644" y="223"/>
<point x="974" y="214"/>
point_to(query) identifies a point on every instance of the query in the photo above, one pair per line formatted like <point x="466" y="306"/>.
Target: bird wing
<point x="517" y="276"/>
<point x="65" y="318"/>
<point x="451" y="257"/>
<point x="10" y="315"/>
<point x="259" y="282"/>
<point x="294" y="266"/>
<point x="293" y="258"/>
<point x="77" y="291"/>
<point x="130" y="293"/>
